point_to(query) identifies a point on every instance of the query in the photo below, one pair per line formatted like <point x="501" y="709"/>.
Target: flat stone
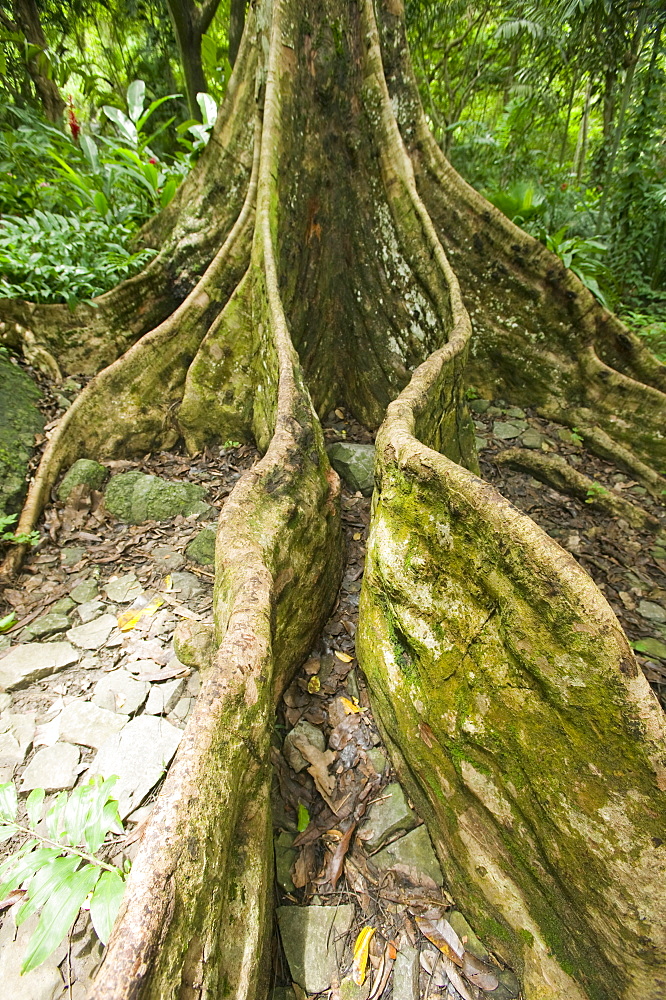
<point x="414" y="850"/>
<point x="84" y="472"/>
<point x="652" y="612"/>
<point x="89" y="725"/>
<point x="478" y="405"/>
<point x="653" y="647"/>
<point x="52" y="768"/>
<point x="183" y="708"/>
<point x="186" y="586"/>
<point x="312" y="734"/>
<point x="313" y="940"/>
<point x="139" y="756"/>
<point x="89" y="610"/>
<point x="85" y="591"/>
<point x="480" y="442"/>
<point x="12" y="754"/>
<point x="355" y="463"/>
<point x="34" y="660"/>
<point x="515" y="411"/>
<point x="387" y="817"/>
<point x="406" y="973"/>
<point x="201" y="549"/>
<point x="350" y="990"/>
<point x="532" y="439"/>
<point x="163" y="697"/>
<point x="506" y="431"/>
<point x="44" y="982"/>
<point x="463" y="930"/>
<point x="378" y="759"/>
<point x="285" y="856"/>
<point x="120" y="692"/>
<point x="136" y="497"/>
<point x="63" y="606"/>
<point x="46" y="625"/>
<point x="71" y="555"/>
<point x="93" y="634"/>
<point x="167" y="560"/>
<point x="124" y="589"/>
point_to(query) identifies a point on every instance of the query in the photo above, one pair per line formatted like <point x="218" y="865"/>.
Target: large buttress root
<point x="516" y="712"/>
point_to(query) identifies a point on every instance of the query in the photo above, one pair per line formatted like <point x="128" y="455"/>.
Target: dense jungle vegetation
<point x="555" y="110"/>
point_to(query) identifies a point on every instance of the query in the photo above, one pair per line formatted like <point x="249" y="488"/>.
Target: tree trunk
<point x="236" y="25"/>
<point x="327" y="254"/>
<point x="26" y="14"/>
<point x="191" y="20"/>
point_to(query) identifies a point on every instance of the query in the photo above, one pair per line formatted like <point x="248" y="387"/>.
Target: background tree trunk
<point x="26" y="14"/>
<point x="191" y="20"/>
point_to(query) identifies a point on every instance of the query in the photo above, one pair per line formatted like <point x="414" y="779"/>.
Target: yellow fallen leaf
<point x="361" y="952"/>
<point x="357" y="536"/>
<point x="168" y="583"/>
<point x="345" y="657"/>
<point x="132" y="616"/>
<point x="339" y="414"/>
<point x="314" y="684"/>
<point x="351" y="707"/>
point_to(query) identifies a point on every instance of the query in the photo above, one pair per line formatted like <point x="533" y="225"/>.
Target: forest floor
<point x="357" y="882"/>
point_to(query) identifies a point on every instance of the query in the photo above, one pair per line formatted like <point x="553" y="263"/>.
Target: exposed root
<point x="15" y="335"/>
<point x="556" y="471"/>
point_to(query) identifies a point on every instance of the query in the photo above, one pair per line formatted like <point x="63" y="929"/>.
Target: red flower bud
<point x="73" y="121"/>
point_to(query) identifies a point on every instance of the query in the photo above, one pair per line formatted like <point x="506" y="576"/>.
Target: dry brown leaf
<point x="479" y="973"/>
<point x="438" y="930"/>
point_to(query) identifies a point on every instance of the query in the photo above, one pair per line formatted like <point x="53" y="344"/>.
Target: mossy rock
<point x="135" y="497"/>
<point x="84" y="472"/>
<point x="20" y="420"/>
<point x="355" y="463"/>
<point x="201" y="549"/>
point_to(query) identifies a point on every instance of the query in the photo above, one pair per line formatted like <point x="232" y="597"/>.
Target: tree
<point x="26" y="20"/>
<point x="191" y="21"/>
<point x="325" y="252"/>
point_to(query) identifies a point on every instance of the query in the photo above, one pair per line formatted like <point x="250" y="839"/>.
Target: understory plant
<point x="55" y="868"/>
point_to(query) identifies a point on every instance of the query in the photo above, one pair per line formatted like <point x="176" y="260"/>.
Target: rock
<point x="652" y="612"/>
<point x="532" y="439"/>
<point x="120" y="692"/>
<point x="163" y="697"/>
<point x="478" y="405"/>
<point x="139" y="756"/>
<point x="312" y="734"/>
<point x="186" y="586"/>
<point x="183" y="708"/>
<point x="84" y="472"/>
<point x="72" y="555"/>
<point x="350" y="990"/>
<point x="89" y="725"/>
<point x="311" y="936"/>
<point x="285" y="856"/>
<point x="414" y="850"/>
<point x="378" y="759"/>
<point x="135" y="497"/>
<point x="11" y="755"/>
<point x="46" y="625"/>
<point x="63" y="606"/>
<point x="506" y="431"/>
<point x="480" y="442"/>
<point x="193" y="643"/>
<point x="653" y="647"/>
<point x="84" y="592"/>
<point x="509" y="987"/>
<point x="5" y="701"/>
<point x="34" y="660"/>
<point x="89" y="610"/>
<point x="355" y="463"/>
<point x="167" y="560"/>
<point x="515" y="411"/>
<point x="93" y="634"/>
<point x="124" y="589"/>
<point x="567" y="436"/>
<point x="44" y="982"/>
<point x="388" y="816"/>
<point x="201" y="549"/>
<point x="406" y="971"/>
<point x="20" y="420"/>
<point x="52" y="768"/>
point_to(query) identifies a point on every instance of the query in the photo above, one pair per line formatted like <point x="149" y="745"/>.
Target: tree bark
<point x="236" y="25"/>
<point x="26" y="14"/>
<point x="329" y="255"/>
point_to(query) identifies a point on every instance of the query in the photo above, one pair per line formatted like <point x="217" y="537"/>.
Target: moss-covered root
<point x="519" y="719"/>
<point x="556" y="471"/>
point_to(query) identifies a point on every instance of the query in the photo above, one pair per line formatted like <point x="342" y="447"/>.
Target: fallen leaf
<point x="337" y="859"/>
<point x="479" y="973"/>
<point x="438" y="930"/>
<point x="303" y="818"/>
<point x="382" y="977"/>
<point x="130" y="618"/>
<point x="361" y="951"/>
<point x="343" y="657"/>
<point x="314" y="684"/>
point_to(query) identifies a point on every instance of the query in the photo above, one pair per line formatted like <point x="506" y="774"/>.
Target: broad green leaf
<point x="105" y="904"/>
<point x="54" y="817"/>
<point x="100" y="202"/>
<point x="45" y="881"/>
<point x="10" y="619"/>
<point x="8" y="802"/>
<point x="17" y="869"/>
<point x="153" y="107"/>
<point x="126" y="127"/>
<point x="208" y="107"/>
<point x="34" y="804"/>
<point x="136" y="96"/>
<point x="303" y="818"/>
<point x="58" y="915"/>
<point x="89" y="147"/>
<point x="168" y="191"/>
